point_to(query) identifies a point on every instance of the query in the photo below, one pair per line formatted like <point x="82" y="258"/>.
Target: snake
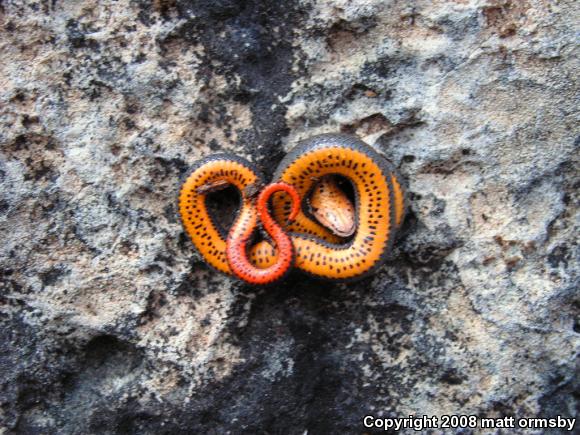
<point x="297" y="237"/>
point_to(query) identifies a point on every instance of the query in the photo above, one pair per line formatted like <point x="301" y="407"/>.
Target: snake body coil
<point x="379" y="211"/>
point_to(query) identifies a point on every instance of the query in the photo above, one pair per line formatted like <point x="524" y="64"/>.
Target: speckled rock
<point x="111" y="323"/>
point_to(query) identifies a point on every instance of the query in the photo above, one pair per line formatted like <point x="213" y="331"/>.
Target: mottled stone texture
<point x="111" y="323"/>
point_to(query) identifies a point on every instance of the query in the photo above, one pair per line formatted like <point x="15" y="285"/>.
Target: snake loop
<point x="379" y="205"/>
<point x="208" y="174"/>
<point x="243" y="229"/>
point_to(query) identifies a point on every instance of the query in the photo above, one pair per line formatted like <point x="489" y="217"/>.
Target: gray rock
<point x="111" y="323"/>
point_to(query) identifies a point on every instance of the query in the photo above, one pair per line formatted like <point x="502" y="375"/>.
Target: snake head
<point x="332" y="208"/>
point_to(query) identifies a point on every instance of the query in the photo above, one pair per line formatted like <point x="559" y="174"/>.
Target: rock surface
<point x="111" y="323"/>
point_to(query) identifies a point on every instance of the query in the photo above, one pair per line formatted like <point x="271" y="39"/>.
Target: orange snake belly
<point x="379" y="210"/>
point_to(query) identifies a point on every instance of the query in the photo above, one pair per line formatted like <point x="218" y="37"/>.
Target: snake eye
<point x="331" y="203"/>
<point x="222" y="206"/>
